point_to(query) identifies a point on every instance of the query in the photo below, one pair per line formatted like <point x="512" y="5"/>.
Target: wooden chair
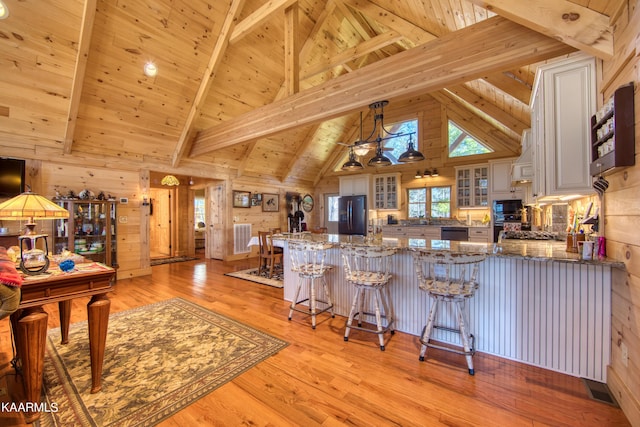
<point x="268" y="256"/>
<point x="276" y="230"/>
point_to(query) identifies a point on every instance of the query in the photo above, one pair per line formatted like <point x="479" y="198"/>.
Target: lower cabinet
<point x="479" y="234"/>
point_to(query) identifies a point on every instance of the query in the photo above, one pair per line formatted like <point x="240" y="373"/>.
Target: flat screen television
<point x="11" y="177"/>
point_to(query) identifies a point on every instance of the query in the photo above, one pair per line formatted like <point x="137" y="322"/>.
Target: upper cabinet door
<point x="568" y="99"/>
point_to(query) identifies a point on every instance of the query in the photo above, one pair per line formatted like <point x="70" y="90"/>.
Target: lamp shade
<point x="31" y="206"/>
<point x="379" y="159"/>
<point x="352" y="164"/>
<point x="411" y="155"/>
<point x="170" y="180"/>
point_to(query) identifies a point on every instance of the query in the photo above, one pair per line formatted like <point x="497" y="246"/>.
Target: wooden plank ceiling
<point x="265" y="88"/>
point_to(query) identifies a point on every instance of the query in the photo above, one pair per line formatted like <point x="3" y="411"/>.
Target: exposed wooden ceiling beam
<point x="291" y="51"/>
<point x="490" y="46"/>
<point x="488" y="108"/>
<point x="297" y="156"/>
<point x="86" y="30"/>
<point x="511" y="86"/>
<point x="483" y="131"/>
<point x="417" y="36"/>
<point x="575" y="25"/>
<point x="258" y="17"/>
<point x="411" y="31"/>
<point x="355" y="52"/>
<point x="205" y="82"/>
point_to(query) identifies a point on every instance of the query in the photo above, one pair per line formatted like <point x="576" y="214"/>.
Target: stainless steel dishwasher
<point x="459" y="234"/>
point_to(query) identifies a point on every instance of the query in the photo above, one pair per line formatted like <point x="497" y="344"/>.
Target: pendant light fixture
<point x="379" y="159"/>
<point x="378" y="134"/>
<point x="352" y="164"/>
<point x="170" y="180"/>
<point x="411" y="155"/>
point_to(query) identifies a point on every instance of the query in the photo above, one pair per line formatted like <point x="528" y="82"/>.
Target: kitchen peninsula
<point x="536" y="304"/>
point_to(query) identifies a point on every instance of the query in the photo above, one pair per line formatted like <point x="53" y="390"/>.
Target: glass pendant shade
<point x="418" y="175"/>
<point x="360" y="150"/>
<point x="411" y="155"/>
<point x="170" y="180"/>
<point x="435" y="172"/>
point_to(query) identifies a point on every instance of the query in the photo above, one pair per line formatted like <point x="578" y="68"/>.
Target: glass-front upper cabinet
<point x="386" y="189"/>
<point x="472" y="184"/>
<point x="90" y="230"/>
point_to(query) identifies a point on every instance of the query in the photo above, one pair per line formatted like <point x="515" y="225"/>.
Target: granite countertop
<point x="539" y="250"/>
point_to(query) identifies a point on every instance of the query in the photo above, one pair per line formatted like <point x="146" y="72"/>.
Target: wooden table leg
<point x="65" y="314"/>
<point x="98" y="318"/>
<point x="31" y="335"/>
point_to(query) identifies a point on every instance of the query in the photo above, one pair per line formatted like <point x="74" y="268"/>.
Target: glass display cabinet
<point x="90" y="230"/>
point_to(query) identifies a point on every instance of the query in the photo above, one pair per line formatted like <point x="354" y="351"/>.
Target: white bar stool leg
<point x="428" y="327"/>
<point x="356" y="298"/>
<point x="468" y="348"/>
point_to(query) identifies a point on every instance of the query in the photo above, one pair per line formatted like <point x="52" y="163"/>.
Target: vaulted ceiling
<point x="265" y="88"/>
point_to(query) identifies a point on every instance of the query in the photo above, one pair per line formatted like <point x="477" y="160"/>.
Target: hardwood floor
<point x="321" y="380"/>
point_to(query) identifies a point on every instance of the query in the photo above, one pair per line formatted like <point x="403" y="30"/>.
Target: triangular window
<point x="463" y="144"/>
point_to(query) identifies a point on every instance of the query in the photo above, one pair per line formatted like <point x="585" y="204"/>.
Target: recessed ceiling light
<point x="150" y="69"/>
<point x="4" y="10"/>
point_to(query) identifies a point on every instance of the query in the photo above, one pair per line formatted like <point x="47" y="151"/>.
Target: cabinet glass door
<point x="480" y="186"/>
<point x="89" y="231"/>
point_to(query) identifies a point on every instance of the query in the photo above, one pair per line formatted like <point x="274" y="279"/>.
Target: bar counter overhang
<point x="536" y="303"/>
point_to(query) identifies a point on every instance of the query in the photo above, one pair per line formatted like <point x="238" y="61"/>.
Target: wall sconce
<point x="145" y="199"/>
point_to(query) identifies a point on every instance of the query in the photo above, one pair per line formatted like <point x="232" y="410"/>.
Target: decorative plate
<point x="307" y="203"/>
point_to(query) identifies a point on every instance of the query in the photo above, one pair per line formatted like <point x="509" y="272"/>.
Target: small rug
<point x="159" y="358"/>
<point x="160" y="261"/>
<point x="277" y="280"/>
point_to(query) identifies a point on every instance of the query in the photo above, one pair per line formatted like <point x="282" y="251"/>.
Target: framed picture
<point x="270" y="203"/>
<point x="241" y="199"/>
<point x="256" y="199"/>
<point x="307" y="203"/>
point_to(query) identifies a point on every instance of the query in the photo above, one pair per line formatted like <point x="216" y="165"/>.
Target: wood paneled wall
<point x="621" y="220"/>
<point x="49" y="177"/>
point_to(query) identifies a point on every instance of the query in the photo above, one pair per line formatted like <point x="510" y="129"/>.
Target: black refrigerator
<point x="352" y="215"/>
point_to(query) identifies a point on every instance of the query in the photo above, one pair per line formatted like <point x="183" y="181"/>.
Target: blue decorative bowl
<point x="67" y="265"/>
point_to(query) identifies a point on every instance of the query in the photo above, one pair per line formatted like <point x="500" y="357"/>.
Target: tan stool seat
<point x="367" y="268"/>
<point x="448" y="278"/>
<point x="308" y="260"/>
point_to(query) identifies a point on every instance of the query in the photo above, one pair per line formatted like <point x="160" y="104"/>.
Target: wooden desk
<point x="29" y="323"/>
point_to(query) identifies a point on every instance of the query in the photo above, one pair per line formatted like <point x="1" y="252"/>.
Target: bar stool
<point x="308" y="260"/>
<point x="451" y="278"/>
<point x="367" y="268"/>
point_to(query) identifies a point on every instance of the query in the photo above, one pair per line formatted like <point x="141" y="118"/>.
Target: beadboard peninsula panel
<point x="555" y="315"/>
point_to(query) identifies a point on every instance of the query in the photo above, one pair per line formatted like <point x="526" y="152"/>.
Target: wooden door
<point x="215" y="230"/>
<point x="160" y="223"/>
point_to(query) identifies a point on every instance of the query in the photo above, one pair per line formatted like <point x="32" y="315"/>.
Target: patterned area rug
<point x="159" y="358"/>
<point x="252" y="275"/>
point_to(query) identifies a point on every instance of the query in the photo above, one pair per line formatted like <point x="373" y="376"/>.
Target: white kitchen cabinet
<point x="472" y="186"/>
<point x="355" y="185"/>
<point x="386" y="190"/>
<point x="564" y="100"/>
<point x="500" y="180"/>
<point x="479" y="234"/>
